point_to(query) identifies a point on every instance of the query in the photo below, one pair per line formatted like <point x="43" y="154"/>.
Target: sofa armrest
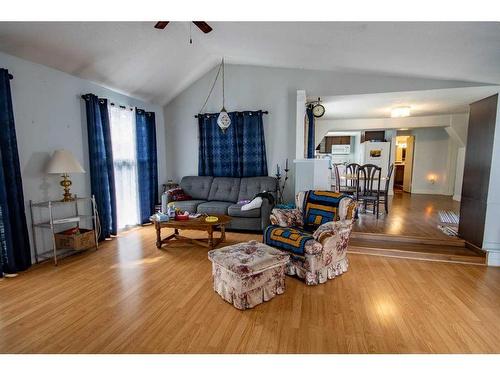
<point x="265" y="214"/>
<point x="347" y="209"/>
<point x="334" y="234"/>
<point x="286" y="217"/>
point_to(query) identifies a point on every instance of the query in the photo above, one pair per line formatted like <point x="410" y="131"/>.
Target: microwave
<point x="341" y="149"/>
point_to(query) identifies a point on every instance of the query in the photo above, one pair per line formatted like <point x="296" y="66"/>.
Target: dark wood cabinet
<point x="326" y="144"/>
<point x="373" y="135"/>
<point x="477" y="168"/>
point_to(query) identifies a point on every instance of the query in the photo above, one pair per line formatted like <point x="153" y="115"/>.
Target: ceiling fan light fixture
<point x="400" y="111"/>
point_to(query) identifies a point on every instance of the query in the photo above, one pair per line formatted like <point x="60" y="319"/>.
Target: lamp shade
<point x="63" y="161"/>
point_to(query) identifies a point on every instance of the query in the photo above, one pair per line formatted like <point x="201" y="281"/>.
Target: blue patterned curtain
<point x="147" y="169"/>
<point x="252" y="144"/>
<point x="310" y="133"/>
<point x="238" y="152"/>
<point x="15" y="253"/>
<point x="218" y="151"/>
<point x="102" y="178"/>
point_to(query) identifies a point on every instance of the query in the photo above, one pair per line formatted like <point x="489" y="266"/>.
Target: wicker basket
<point x="82" y="241"/>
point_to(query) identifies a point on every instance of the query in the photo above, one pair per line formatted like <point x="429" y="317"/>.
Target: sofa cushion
<point x="235" y="210"/>
<point x="224" y="189"/>
<point x="189" y="206"/>
<point x="214" y="208"/>
<point x="197" y="187"/>
<point x="250" y="186"/>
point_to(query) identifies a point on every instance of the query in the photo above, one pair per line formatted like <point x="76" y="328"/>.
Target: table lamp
<point x="63" y="162"/>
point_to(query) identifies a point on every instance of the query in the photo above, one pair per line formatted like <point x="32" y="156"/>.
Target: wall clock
<point x="318" y="110"/>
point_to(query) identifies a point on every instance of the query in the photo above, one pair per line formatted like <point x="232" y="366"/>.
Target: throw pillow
<point x="177" y="194"/>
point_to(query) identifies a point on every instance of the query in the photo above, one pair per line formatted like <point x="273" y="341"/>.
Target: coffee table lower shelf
<point x="209" y="242"/>
<point x="192" y="224"/>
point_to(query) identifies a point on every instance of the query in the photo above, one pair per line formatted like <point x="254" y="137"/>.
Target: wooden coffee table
<point x="192" y="224"/>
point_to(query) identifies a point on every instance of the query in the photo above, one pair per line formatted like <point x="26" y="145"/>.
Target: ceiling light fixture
<point x="400" y="112"/>
<point x="223" y="120"/>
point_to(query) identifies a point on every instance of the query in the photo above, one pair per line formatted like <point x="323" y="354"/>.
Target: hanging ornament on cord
<point x="224" y="121"/>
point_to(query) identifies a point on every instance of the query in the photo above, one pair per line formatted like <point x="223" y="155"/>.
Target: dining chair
<point x="336" y="177"/>
<point x="384" y="194"/>
<point x="351" y="183"/>
<point x="368" y="189"/>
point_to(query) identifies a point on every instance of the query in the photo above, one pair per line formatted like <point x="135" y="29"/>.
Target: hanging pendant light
<point x="224" y="121"/>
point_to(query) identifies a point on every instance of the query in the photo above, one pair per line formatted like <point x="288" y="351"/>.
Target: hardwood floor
<point x="129" y="297"/>
<point x="409" y="215"/>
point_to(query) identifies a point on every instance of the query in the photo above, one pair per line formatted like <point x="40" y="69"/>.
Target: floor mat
<point x="449" y="230"/>
<point x="448" y="217"/>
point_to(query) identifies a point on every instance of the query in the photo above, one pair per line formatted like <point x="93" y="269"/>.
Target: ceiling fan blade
<point x="203" y="26"/>
<point x="161" y="25"/>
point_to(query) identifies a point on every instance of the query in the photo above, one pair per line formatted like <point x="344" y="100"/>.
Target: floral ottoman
<point x="248" y="273"/>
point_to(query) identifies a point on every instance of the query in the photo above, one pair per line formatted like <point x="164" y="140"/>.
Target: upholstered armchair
<point x="318" y="250"/>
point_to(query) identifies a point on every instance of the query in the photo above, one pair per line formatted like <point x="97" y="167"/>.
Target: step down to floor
<point x="409" y="239"/>
<point x="419" y="248"/>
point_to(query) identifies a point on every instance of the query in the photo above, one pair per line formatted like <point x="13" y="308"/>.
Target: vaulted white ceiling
<point x="156" y="65"/>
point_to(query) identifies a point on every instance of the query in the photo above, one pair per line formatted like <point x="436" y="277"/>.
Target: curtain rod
<point x="263" y="112"/>
<point x="122" y="106"/>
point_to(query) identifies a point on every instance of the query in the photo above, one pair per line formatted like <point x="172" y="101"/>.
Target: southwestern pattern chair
<point x="315" y="234"/>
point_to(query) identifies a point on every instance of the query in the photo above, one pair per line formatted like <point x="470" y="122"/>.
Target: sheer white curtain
<point x="122" y="123"/>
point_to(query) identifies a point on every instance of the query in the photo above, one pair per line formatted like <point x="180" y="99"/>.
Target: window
<point x="122" y="123"/>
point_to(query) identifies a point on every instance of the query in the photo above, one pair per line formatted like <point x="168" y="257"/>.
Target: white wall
<point x="432" y="153"/>
<point x="272" y="89"/>
<point x="50" y="114"/>
<point x="459" y="175"/>
<point x="491" y="239"/>
<point x="300" y="148"/>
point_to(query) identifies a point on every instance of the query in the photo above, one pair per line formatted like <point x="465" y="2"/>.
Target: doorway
<point x="403" y="163"/>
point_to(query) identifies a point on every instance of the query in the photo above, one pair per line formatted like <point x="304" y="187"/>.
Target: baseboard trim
<point x="493" y="258"/>
<point x="428" y="191"/>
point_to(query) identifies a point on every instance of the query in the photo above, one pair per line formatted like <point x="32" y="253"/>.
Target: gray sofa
<point x="219" y="196"/>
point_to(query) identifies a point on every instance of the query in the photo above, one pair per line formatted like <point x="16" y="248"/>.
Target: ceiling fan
<point x="203" y="26"/>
